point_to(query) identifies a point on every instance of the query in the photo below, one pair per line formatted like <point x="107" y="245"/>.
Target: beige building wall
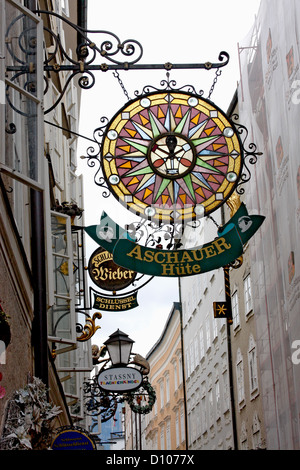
<point x="164" y="427"/>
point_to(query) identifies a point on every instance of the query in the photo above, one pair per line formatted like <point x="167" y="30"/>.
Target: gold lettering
<point x="221" y="242"/>
<point x="180" y="270"/>
<point x="98" y="259"/>
<point x="157" y="255"/>
<point x="168" y="270"/>
<point x="195" y="255"/>
<point x="136" y="253"/>
<point x="148" y="256"/>
<point x="186" y="257"/>
<point x="196" y="268"/>
<point x="172" y="257"/>
<point x="209" y="250"/>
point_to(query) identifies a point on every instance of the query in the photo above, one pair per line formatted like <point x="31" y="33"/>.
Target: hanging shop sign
<point x="115" y="304"/>
<point x="171" y="155"/>
<point x="119" y="379"/>
<point x="73" y="439"/>
<point x="106" y="274"/>
<point x="218" y="253"/>
<point x="222" y="310"/>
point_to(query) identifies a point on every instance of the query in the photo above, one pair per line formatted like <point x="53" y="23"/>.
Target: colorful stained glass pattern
<point x="171" y="155"/>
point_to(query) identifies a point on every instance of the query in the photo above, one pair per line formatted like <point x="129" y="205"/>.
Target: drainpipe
<point x="81" y="19"/>
<point x="230" y="366"/>
<point x="183" y="369"/>
<point x="229" y="350"/>
<point x="39" y="327"/>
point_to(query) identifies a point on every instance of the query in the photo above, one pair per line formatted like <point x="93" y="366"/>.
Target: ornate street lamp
<point x="119" y="347"/>
<point x="119" y="382"/>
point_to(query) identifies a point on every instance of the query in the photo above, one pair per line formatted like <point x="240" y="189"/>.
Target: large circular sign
<point x="171" y="155"/>
<point x="107" y="274"/>
<point x="119" y="379"/>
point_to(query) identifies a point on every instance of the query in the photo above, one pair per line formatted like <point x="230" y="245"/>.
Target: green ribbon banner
<point x="218" y="253"/>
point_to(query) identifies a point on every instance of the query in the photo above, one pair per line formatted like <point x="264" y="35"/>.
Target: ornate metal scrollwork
<point x="167" y="85"/>
<point x="98" y="402"/>
<point x="111" y="49"/>
<point x="162" y="236"/>
<point x="89" y="329"/>
<point x="102" y="402"/>
<point x="250" y="155"/>
<point x="93" y="156"/>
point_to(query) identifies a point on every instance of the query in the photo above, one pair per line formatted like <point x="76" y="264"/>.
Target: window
<point x="2" y="352"/>
<point x="61" y="316"/>
<point x="252" y="361"/>
<point x="198" y="421"/>
<point x="240" y="377"/>
<point x="187" y="363"/>
<point x="162" y="439"/>
<point x="182" y="424"/>
<point x="192" y="421"/>
<point x="203" y="414"/>
<point x="168" y="436"/>
<point x="192" y="357"/>
<point x="155" y="405"/>
<point x="201" y="341"/>
<point x="175" y="376"/>
<point x="243" y="438"/>
<point x="215" y="328"/>
<point x="225" y="390"/>
<point x="208" y="339"/>
<point x="65" y="7"/>
<point x="21" y="154"/>
<point x="167" y="389"/>
<point x="161" y="394"/>
<point x="177" y="428"/>
<point x="248" y="295"/>
<point x="256" y="432"/>
<point x="218" y="398"/>
<point x="235" y="309"/>
<point x="180" y="369"/>
<point x="211" y="406"/>
<point x="196" y="350"/>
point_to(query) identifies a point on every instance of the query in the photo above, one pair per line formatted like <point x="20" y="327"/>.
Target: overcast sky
<point x="192" y="31"/>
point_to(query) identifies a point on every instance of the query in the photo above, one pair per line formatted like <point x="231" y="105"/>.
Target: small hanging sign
<point x="115" y="304"/>
<point x="106" y="274"/>
<point x="119" y="379"/>
<point x="222" y="310"/>
<point x="73" y="438"/>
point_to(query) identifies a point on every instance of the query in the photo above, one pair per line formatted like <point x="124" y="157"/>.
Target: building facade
<point x="246" y="378"/>
<point x="268" y="96"/>
<point x="209" y="405"/>
<point x="245" y="366"/>
<point x="42" y="274"/>
<point x="164" y="428"/>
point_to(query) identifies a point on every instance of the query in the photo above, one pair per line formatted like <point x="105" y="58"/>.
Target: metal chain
<point x="217" y="74"/>
<point x="116" y="74"/>
<point x="214" y="221"/>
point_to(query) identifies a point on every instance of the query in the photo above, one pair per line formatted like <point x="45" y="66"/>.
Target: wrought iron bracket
<point x="111" y="49"/>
